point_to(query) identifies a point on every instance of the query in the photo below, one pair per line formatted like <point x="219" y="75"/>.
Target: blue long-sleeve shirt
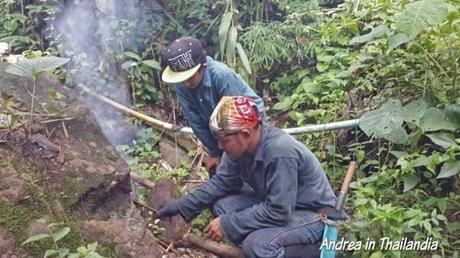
<point x="283" y="171"/>
<point x="199" y="103"/>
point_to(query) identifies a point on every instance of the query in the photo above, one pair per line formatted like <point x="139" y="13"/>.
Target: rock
<point x="38" y="226"/>
<point x="130" y="236"/>
<point x="162" y="192"/>
<point x="12" y="186"/>
<point x="174" y="155"/>
<point x="51" y="175"/>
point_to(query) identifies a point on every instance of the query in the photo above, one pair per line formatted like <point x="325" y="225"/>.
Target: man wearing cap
<point x="200" y="83"/>
<point x="276" y="217"/>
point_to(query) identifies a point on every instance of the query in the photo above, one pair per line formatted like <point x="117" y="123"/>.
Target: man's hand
<point x="214" y="230"/>
<point x="169" y="209"/>
<point x="211" y="164"/>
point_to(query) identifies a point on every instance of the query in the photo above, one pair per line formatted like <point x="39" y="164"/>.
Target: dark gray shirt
<point x="283" y="171"/>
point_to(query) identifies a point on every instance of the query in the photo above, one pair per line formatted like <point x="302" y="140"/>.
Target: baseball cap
<point x="232" y="114"/>
<point x="183" y="58"/>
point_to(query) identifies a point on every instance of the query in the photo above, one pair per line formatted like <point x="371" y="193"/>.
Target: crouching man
<point x="266" y="188"/>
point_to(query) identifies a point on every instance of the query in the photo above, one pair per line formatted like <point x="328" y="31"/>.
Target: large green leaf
<point x="382" y="122"/>
<point x="436" y="119"/>
<point x="244" y="58"/>
<point x="444" y="140"/>
<point x="376" y="32"/>
<point x="58" y="235"/>
<point x="35" y="238"/>
<point x="231" y="44"/>
<point x="152" y="64"/>
<point x="449" y="168"/>
<point x="223" y="30"/>
<point x="414" y="111"/>
<point x="132" y="55"/>
<point x="32" y="67"/>
<point x="397" y="135"/>
<point x="419" y="15"/>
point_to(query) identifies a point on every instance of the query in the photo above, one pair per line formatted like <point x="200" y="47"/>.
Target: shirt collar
<point x="263" y="139"/>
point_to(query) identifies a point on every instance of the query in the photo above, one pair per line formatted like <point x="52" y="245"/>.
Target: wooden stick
<point x="64" y="129"/>
<point x="216" y="248"/>
<point x="56" y="120"/>
<point x="145" y="206"/>
<point x="194" y="181"/>
<point x="142" y="181"/>
<point x="346" y="183"/>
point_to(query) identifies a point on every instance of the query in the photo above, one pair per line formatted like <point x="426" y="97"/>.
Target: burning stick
<point x="217" y="248"/>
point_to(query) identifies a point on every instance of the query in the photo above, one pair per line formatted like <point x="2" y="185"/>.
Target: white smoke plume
<point x="94" y="33"/>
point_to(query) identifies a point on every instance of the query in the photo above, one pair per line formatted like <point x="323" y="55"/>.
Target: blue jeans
<point x="286" y="241"/>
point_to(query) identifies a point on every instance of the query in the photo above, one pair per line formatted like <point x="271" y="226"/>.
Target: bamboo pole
<point x="150" y="120"/>
<point x="187" y="130"/>
<point x="323" y="127"/>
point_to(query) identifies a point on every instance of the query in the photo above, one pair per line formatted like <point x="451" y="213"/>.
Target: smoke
<point x="95" y="33"/>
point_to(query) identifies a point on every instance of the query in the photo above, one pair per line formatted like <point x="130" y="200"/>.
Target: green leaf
<point x="58" y="235"/>
<point x="73" y="255"/>
<point x="410" y="181"/>
<point x="49" y="253"/>
<point x="399" y="154"/>
<point x="444" y="140"/>
<point x="380" y="123"/>
<point x="92" y="246"/>
<point x="310" y="86"/>
<point x="132" y="55"/>
<point x="152" y="64"/>
<point x="94" y="255"/>
<point x="284" y="103"/>
<point x="63" y="252"/>
<point x="453" y="113"/>
<point x="397" y="135"/>
<point x="223" y="30"/>
<point x="449" y="168"/>
<point x="82" y="250"/>
<point x="244" y="58"/>
<point x="32" y="67"/>
<point x="397" y="40"/>
<point x="128" y="64"/>
<point x="420" y="15"/>
<point x="435" y="119"/>
<point x="414" y="111"/>
<point x="427" y="226"/>
<point x="376" y="32"/>
<point x="35" y="238"/>
<point x="421" y="161"/>
<point x="231" y="45"/>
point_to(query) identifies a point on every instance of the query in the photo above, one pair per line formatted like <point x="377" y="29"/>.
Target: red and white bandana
<point x="232" y="114"/>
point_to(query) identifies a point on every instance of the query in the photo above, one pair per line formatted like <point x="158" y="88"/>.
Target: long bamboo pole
<point x="163" y="125"/>
<point x="150" y="120"/>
